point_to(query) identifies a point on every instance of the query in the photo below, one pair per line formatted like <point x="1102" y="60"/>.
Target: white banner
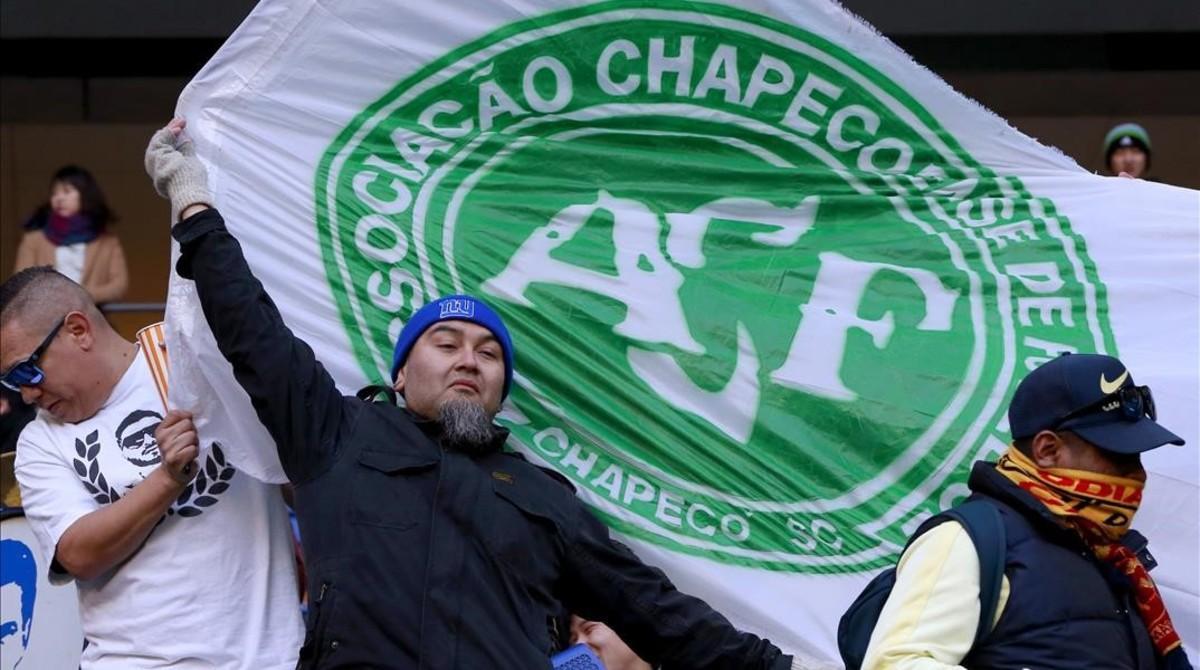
<point x="771" y="282"/>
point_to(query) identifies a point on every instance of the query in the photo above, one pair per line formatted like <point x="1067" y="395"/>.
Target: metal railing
<point x="123" y="307"/>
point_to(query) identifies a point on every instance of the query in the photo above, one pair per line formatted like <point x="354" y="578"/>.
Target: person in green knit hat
<point x="1127" y="150"/>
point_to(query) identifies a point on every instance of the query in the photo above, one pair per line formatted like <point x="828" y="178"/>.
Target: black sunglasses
<point x="27" y="372"/>
<point x="1133" y="402"/>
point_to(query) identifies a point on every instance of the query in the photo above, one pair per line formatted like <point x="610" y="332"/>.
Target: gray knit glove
<point x="176" y="172"/>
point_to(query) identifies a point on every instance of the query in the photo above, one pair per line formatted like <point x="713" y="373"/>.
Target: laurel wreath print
<point x="88" y="469"/>
<point x="211" y="481"/>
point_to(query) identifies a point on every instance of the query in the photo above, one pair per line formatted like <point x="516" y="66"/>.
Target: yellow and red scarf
<point x="1099" y="508"/>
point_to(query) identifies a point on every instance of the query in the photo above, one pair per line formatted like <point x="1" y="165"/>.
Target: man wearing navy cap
<point x="427" y="545"/>
<point x="1076" y="590"/>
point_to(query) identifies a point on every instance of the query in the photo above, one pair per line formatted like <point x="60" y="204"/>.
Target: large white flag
<point x="771" y="283"/>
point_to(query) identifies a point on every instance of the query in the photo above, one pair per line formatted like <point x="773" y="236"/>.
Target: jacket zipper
<point x="437" y="489"/>
<point x="322" y="623"/>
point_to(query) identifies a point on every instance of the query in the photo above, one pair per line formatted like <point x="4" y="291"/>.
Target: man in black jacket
<point x="427" y="545"/>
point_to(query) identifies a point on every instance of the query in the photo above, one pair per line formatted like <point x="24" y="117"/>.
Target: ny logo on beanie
<point x="456" y="307"/>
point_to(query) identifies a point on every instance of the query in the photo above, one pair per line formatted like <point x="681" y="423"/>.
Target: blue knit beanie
<point x="455" y="308"/>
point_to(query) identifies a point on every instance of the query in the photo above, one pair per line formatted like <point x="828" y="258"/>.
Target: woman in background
<point x="70" y="233"/>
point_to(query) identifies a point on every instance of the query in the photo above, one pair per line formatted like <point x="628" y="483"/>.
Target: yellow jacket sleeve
<point x="929" y="620"/>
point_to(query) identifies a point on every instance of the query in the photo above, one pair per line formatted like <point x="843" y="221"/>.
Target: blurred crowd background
<point x="85" y="83"/>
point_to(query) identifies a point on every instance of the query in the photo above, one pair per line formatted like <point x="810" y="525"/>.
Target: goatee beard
<point x="466" y="427"/>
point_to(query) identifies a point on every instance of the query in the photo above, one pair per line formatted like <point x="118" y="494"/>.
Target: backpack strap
<point x="980" y="517"/>
<point x="983" y="524"/>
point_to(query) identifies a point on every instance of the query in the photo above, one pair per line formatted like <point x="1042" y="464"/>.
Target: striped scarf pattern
<point x="1099" y="508"/>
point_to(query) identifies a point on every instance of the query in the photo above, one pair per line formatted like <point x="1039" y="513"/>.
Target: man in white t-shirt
<point x="179" y="560"/>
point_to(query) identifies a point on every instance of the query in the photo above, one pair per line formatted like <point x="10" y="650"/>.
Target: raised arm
<point x="294" y="397"/>
<point x="605" y="581"/>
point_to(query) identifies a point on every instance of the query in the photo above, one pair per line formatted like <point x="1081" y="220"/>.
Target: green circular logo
<point x="766" y="309"/>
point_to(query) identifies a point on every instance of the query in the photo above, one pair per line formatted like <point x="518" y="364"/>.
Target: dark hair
<point x="1024" y="445"/>
<point x="20" y="282"/>
<point x="27" y="289"/>
<point x="91" y="198"/>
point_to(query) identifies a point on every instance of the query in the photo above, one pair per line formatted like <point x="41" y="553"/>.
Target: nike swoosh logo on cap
<point x="1109" y="388"/>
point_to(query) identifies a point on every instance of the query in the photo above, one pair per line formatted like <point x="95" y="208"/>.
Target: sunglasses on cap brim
<point x="1131" y="402"/>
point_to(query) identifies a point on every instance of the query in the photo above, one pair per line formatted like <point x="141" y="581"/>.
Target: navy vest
<point x="1065" y="608"/>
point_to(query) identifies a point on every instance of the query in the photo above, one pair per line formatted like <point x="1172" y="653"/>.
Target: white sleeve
<point x="52" y="494"/>
<point x="930" y="618"/>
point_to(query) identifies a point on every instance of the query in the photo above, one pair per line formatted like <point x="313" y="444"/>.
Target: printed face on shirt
<point x="135" y="435"/>
<point x="452" y="360"/>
